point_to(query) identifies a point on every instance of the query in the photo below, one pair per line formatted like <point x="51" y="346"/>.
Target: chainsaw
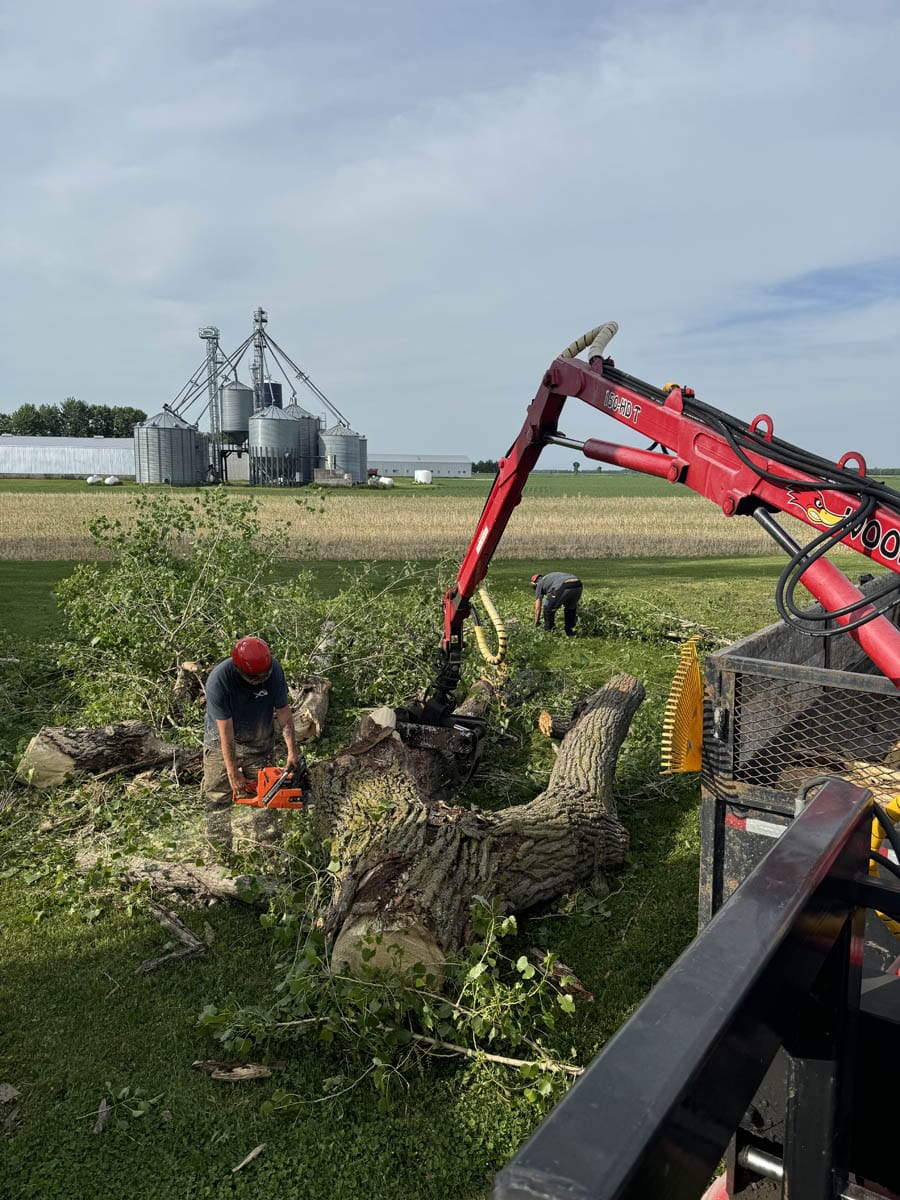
<point x="273" y="790"/>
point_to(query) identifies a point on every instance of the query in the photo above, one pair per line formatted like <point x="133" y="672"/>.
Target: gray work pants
<point x="566" y="597"/>
<point x="218" y="795"/>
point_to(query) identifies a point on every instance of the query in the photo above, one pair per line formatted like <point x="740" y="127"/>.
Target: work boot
<point x="218" y="830"/>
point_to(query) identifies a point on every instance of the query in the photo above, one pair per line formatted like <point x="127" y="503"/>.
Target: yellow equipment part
<point x="892" y="812"/>
<point x="499" y="629"/>
<point x="682" y="735"/>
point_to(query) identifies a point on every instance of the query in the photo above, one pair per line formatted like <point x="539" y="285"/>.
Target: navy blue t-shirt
<point x="249" y="705"/>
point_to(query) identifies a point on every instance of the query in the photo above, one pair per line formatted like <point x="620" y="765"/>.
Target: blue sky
<point x="431" y="200"/>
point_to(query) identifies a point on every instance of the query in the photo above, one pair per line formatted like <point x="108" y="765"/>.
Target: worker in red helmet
<point x="554" y="591"/>
<point x="246" y="697"/>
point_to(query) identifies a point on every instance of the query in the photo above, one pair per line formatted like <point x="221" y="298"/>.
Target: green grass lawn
<point x="76" y="1023"/>
<point x="28" y="605"/>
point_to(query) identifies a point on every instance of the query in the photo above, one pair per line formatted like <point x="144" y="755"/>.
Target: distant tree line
<point x="72" y="418"/>
<point x="485" y="466"/>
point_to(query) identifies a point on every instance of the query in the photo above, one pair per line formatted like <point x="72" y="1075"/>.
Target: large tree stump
<point x="412" y="866"/>
<point x="57" y="753"/>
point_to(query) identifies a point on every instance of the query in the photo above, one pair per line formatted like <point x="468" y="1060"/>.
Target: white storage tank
<point x="422" y="476"/>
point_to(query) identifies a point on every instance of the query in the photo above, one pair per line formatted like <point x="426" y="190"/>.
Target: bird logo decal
<point x="816" y="510"/>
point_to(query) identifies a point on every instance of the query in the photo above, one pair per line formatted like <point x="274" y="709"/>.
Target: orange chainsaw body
<point x="267" y="781"/>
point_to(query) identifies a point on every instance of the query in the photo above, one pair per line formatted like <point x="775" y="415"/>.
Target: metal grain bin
<point x="308" y="440"/>
<point x="340" y="451"/>
<point x="235" y="407"/>
<point x="169" y="450"/>
<point x="275" y="452"/>
<point x="363" y="459"/>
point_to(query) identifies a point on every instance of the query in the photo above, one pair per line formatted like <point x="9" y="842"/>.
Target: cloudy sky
<point x="432" y="199"/>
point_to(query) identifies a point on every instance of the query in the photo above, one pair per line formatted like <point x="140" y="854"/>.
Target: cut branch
<point x="191" y="945"/>
<point x="172" y="878"/>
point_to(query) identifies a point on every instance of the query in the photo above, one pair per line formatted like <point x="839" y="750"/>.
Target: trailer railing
<point x="779" y="966"/>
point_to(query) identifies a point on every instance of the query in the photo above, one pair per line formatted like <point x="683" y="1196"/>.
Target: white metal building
<point x="394" y="463"/>
<point x="66" y="456"/>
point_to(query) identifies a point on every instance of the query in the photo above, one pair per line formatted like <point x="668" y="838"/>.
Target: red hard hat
<point x="252" y="656"/>
<point x="535" y="578"/>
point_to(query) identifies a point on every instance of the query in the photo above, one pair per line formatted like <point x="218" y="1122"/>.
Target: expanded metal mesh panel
<point x="787" y="730"/>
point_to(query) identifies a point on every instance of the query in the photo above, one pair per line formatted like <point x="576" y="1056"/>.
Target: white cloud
<point x="430" y="215"/>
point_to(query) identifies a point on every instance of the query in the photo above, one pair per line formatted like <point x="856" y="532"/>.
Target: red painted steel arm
<point x="514" y="469"/>
<point x="702" y="459"/>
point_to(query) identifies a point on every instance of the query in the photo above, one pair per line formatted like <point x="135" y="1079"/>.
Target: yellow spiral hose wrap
<point x="499" y="627"/>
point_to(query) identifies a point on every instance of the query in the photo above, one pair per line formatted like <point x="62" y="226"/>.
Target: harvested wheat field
<point x="386" y="525"/>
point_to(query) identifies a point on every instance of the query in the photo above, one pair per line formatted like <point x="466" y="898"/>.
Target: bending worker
<point x="246" y="695"/>
<point x="553" y="591"/>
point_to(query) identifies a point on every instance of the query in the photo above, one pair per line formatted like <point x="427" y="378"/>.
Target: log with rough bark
<point x="553" y="727"/>
<point x="557" y="726"/>
<point x="412" y="865"/>
<point x="57" y="753"/>
<point x="309" y="704"/>
<point x="181" y="879"/>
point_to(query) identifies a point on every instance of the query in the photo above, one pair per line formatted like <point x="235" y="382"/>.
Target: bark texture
<point x="57" y="753"/>
<point x="176" y="879"/>
<point x="412" y="865"/>
<point x="309" y="704"/>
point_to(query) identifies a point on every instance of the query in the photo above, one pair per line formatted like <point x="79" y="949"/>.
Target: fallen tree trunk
<point x="57" y="753"/>
<point x="175" y="879"/>
<point x="412" y="865"/>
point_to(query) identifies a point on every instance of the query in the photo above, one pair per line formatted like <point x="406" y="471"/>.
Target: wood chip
<point x="232" y="1072"/>
<point x="254" y="1153"/>
<point x="573" y="987"/>
<point x="102" y="1116"/>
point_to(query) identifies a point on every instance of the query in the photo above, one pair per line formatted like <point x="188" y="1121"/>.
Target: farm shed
<point x="394" y="463"/>
<point x="66" y="456"/>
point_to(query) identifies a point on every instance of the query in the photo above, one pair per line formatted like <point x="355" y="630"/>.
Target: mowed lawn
<point x="77" y="1023"/>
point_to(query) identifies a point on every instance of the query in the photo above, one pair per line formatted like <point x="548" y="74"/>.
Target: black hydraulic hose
<point x="886" y="863"/>
<point x="792" y="456"/>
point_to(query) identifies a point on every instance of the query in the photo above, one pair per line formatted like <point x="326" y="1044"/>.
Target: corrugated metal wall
<point x="408" y="464"/>
<point x="67" y="456"/>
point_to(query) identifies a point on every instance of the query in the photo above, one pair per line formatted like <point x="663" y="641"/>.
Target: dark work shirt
<point x="549" y="583"/>
<point x="249" y="705"/>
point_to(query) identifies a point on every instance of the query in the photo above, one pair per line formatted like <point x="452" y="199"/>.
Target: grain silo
<point x="363" y="459"/>
<point x="308" y="440"/>
<point x="339" y="447"/>
<point x="169" y="450"/>
<point x="275" y="452"/>
<point x="235" y="407"/>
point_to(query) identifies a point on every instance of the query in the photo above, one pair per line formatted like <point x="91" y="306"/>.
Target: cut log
<point x="412" y="865"/>
<point x="556" y="726"/>
<point x="173" y="878"/>
<point x="309" y="704"/>
<point x="57" y="753"/>
<point x="553" y="727"/>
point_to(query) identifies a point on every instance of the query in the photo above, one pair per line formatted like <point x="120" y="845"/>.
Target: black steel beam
<point x="654" y="1112"/>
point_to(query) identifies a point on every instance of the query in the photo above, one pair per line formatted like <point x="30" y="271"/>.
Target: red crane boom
<point x="740" y="468"/>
